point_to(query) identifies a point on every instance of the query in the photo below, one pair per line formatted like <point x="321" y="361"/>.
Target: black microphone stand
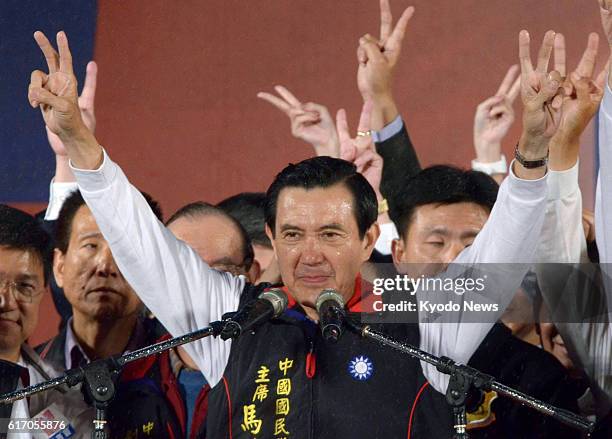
<point x="463" y="378"/>
<point x="98" y="376"/>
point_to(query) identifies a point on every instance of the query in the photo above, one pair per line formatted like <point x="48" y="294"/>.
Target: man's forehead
<point x="327" y="205"/>
<point x="206" y="229"/>
<point x="450" y="217"/>
<point x="84" y="223"/>
<point x="212" y="236"/>
<point x="19" y="262"/>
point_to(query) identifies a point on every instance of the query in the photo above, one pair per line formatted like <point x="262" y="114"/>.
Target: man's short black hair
<point x="21" y="231"/>
<point x="199" y="209"/>
<point x="323" y="172"/>
<point x="441" y="185"/>
<point x="249" y="209"/>
<point x="73" y="203"/>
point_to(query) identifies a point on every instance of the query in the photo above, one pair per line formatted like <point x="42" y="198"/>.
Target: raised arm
<point x="64" y="183"/>
<point x="563" y="238"/>
<point x="378" y="60"/>
<point x="170" y="278"/>
<point x="510" y="234"/>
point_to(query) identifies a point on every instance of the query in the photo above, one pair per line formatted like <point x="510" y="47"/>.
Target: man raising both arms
<point x="285" y="379"/>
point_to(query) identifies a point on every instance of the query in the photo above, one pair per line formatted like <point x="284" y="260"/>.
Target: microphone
<point x="270" y="304"/>
<point x="330" y="306"/>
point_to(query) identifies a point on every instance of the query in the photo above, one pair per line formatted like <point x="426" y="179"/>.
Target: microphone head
<point x="329" y="294"/>
<point x="277" y="298"/>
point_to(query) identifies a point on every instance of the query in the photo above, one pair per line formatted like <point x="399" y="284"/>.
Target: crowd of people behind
<point x="123" y="276"/>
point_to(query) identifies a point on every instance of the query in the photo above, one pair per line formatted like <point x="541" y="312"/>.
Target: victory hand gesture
<point x="375" y="74"/>
<point x="494" y="117"/>
<point x="583" y="92"/>
<point x="310" y="122"/>
<point x="86" y="105"/>
<point x="56" y="92"/>
<point x="541" y="94"/>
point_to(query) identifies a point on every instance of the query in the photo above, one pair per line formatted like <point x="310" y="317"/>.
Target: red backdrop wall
<point x="177" y="106"/>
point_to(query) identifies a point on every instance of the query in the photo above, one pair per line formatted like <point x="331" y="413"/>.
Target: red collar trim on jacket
<point x="357" y="303"/>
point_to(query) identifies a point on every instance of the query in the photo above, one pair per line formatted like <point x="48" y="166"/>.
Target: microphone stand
<point x="463" y="378"/>
<point x="98" y="376"/>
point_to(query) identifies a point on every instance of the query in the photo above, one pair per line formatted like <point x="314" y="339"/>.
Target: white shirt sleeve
<point x="591" y="343"/>
<point x="563" y="239"/>
<point x="603" y="196"/>
<point x="58" y="192"/>
<point x="182" y="291"/>
<point x="508" y="239"/>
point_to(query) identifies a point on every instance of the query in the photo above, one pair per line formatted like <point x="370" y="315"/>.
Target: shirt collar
<point x="73" y="351"/>
<point x="24" y="373"/>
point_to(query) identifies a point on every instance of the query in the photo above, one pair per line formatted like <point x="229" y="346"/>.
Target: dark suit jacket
<point x="533" y="371"/>
<point x="400" y="162"/>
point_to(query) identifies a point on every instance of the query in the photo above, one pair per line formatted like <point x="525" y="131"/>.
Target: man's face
<point x="87" y="272"/>
<point x="22" y="270"/>
<point x="317" y="242"/>
<point x="438" y="233"/>
<point x="215" y="239"/>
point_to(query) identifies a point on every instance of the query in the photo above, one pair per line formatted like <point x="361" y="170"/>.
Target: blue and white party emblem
<point x="361" y="368"/>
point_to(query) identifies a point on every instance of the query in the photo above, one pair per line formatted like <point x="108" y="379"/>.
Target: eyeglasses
<point x="23" y="292"/>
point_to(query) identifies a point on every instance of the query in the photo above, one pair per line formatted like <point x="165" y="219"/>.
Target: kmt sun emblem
<point x="361" y="368"/>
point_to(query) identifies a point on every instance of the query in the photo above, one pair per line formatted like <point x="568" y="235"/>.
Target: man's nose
<point x="7" y="296"/>
<point x="311" y="252"/>
<point x="105" y="263"/>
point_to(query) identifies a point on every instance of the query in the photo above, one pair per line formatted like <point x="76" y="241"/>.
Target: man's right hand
<point x="541" y="93"/>
<point x="55" y="93"/>
<point x="310" y="122"/>
<point x="377" y="61"/>
<point x="494" y="117"/>
<point x="63" y="174"/>
<point x="374" y="78"/>
<point x="86" y="105"/>
<point x="583" y="92"/>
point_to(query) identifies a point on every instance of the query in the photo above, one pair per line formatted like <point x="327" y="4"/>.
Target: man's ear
<point x="369" y="240"/>
<point x="58" y="267"/>
<point x="397" y="252"/>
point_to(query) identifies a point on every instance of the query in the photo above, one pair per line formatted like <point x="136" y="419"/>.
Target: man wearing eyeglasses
<point x="23" y="279"/>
